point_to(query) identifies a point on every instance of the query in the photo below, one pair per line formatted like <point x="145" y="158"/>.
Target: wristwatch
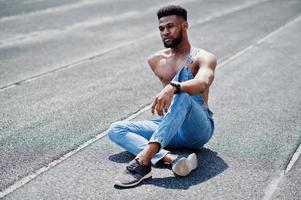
<point x="176" y="85"/>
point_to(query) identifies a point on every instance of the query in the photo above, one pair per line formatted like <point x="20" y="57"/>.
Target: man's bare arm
<point x="162" y="100"/>
<point x="204" y="77"/>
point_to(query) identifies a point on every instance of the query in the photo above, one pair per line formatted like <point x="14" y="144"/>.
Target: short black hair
<point x="172" y="10"/>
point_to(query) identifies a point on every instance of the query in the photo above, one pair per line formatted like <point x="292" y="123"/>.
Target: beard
<point x="175" y="42"/>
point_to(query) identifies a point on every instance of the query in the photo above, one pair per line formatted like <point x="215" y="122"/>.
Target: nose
<point x="165" y="32"/>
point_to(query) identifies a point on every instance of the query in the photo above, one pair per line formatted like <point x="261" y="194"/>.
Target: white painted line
<point x="32" y="1"/>
<point x="273" y="185"/>
<point x="74" y="64"/>
<point x="236" y="55"/>
<point x="62" y="8"/>
<point x="133" y="116"/>
<point x="239" y="53"/>
<point x="232" y="10"/>
<point x="44" y="35"/>
<point x="293" y="159"/>
<point x="279" y="29"/>
<point x="40" y="171"/>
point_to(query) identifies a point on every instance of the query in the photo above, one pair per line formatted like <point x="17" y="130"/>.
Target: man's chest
<point x="167" y="70"/>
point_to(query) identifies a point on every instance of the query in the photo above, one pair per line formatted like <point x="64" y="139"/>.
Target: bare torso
<point x="167" y="66"/>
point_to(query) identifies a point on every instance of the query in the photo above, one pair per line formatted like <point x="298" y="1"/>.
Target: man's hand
<point x="163" y="100"/>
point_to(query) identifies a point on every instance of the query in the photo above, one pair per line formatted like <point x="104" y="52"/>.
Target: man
<point x="184" y="120"/>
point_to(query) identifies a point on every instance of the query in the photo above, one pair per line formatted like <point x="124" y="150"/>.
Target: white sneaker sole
<point x="184" y="166"/>
<point x="119" y="184"/>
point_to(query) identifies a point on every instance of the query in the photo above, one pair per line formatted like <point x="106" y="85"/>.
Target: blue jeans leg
<point x="186" y="124"/>
<point x="134" y="135"/>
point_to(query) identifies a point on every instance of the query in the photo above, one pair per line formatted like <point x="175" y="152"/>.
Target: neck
<point x="182" y="49"/>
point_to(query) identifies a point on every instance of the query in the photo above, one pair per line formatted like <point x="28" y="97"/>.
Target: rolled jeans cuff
<point x="159" y="156"/>
<point x="159" y="140"/>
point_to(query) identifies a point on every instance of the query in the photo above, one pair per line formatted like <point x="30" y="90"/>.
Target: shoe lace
<point x="132" y="166"/>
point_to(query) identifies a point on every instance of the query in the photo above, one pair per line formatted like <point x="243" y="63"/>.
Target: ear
<point x="185" y="25"/>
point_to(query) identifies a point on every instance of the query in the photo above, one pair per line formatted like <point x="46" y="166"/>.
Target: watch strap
<point x="177" y="86"/>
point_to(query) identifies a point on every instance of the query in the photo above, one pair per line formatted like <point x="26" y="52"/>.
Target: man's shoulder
<point x="201" y="52"/>
<point x="157" y="56"/>
<point x="160" y="54"/>
<point x="204" y="56"/>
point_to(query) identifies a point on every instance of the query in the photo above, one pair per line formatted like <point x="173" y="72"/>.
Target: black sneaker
<point x="134" y="174"/>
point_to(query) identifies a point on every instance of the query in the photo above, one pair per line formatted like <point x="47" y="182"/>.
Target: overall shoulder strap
<point x="194" y="51"/>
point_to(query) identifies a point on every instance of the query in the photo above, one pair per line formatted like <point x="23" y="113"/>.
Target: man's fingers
<point x="166" y="108"/>
<point x="154" y="105"/>
<point x="160" y="112"/>
<point x="160" y="107"/>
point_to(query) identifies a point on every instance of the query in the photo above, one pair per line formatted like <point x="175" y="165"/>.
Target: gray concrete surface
<point x="72" y="65"/>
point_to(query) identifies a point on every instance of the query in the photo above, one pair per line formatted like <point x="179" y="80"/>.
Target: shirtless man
<point x="184" y="119"/>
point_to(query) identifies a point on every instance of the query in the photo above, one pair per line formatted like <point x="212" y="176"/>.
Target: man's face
<point x="171" y="30"/>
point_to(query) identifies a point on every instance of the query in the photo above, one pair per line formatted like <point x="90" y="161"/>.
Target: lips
<point x="167" y="39"/>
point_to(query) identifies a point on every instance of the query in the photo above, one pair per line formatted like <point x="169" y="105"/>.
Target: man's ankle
<point x="142" y="162"/>
<point x="169" y="158"/>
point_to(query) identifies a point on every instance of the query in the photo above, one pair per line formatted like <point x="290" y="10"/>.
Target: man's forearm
<point x="194" y="86"/>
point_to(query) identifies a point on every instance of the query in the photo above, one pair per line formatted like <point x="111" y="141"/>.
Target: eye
<point x="170" y="25"/>
<point x="161" y="28"/>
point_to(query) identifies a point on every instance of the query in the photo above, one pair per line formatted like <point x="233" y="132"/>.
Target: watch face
<point x="177" y="86"/>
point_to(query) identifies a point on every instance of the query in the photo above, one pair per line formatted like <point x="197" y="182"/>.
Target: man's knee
<point x="183" y="98"/>
<point x="116" y="130"/>
<point x="183" y="95"/>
